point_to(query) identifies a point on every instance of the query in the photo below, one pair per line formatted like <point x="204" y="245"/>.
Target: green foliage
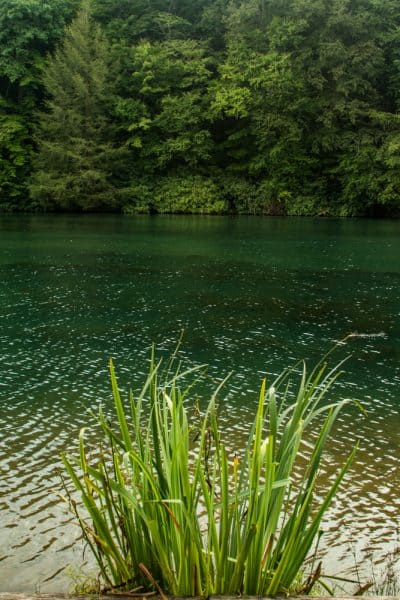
<point x="369" y="169"/>
<point x="181" y="193"/>
<point x="188" y="194"/>
<point x="167" y="505"/>
<point x="255" y="198"/>
<point x="299" y="84"/>
<point x="135" y="21"/>
<point x="140" y="198"/>
<point x="296" y="101"/>
<point x="77" y="162"/>
<point x="167" y="115"/>
<point x="82" y="583"/>
<point x="28" y="29"/>
<point x="15" y="153"/>
<point x="240" y="194"/>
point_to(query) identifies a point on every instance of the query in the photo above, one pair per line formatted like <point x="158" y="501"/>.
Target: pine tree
<point x="77" y="163"/>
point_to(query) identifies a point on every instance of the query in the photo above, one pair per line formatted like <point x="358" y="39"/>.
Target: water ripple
<point x="253" y="296"/>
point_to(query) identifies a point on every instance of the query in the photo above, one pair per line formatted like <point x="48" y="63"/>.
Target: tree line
<point x="200" y="106"/>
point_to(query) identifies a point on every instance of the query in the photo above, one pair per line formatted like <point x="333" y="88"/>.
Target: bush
<point x="251" y="198"/>
<point x="169" y="507"/>
<point x="240" y="194"/>
<point x="188" y="194"/>
<point x="140" y="199"/>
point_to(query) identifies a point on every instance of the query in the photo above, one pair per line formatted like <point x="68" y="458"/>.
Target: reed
<point x="167" y="507"/>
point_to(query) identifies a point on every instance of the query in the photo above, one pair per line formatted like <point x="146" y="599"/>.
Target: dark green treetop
<point x="77" y="161"/>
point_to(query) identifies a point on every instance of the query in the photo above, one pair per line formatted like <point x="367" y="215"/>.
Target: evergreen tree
<point x="28" y="30"/>
<point x="78" y="163"/>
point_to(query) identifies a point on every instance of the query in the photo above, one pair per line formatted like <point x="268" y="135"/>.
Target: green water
<point x="252" y="295"/>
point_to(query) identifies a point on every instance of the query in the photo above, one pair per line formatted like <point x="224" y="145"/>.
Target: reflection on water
<point x="253" y="295"/>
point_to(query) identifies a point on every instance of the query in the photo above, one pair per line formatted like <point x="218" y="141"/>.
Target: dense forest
<point x="203" y="106"/>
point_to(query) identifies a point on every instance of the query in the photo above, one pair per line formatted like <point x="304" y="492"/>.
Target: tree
<point x="78" y="165"/>
<point x="298" y="92"/>
<point x="28" y="30"/>
<point x="15" y="154"/>
<point x="288" y="106"/>
<point x="167" y="113"/>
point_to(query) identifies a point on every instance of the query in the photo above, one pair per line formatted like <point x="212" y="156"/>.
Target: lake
<point x="252" y="295"/>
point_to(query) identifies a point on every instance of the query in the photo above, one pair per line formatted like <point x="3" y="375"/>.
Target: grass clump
<point x="169" y="508"/>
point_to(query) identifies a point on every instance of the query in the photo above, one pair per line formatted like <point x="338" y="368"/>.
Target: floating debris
<point x="381" y="334"/>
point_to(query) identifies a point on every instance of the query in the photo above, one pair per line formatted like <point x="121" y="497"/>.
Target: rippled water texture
<point x="253" y="295"/>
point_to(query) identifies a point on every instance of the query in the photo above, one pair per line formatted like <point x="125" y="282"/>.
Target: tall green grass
<point x="167" y="506"/>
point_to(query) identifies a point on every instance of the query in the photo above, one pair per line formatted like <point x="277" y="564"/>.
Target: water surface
<point x="253" y="295"/>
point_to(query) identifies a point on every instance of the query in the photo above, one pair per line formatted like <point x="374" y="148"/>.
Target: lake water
<point x="252" y="295"/>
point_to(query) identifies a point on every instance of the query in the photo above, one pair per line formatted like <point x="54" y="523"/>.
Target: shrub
<point x="188" y="194"/>
<point x="240" y="194"/>
<point x="168" y="507"/>
<point x="140" y="198"/>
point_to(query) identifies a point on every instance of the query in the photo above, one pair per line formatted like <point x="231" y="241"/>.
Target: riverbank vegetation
<point x="206" y="106"/>
<point x="167" y="505"/>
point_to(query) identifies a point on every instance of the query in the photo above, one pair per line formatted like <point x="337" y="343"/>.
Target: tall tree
<point x="28" y="30"/>
<point x="299" y="94"/>
<point x="78" y="165"/>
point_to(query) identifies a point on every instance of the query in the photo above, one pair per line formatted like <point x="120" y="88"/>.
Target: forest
<point x="277" y="107"/>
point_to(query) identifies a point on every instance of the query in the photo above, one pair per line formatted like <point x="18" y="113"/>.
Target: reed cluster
<point x="167" y="506"/>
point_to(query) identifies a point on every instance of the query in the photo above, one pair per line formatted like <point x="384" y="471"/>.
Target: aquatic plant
<point x="167" y="506"/>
